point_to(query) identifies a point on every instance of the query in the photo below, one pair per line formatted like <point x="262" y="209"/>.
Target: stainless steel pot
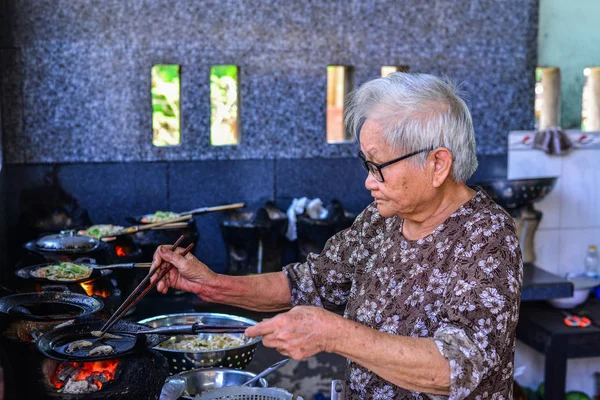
<point x="198" y="381"/>
<point x="338" y="389"/>
<point x="183" y="360"/>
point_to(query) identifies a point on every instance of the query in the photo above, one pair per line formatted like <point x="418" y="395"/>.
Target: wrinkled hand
<point x="299" y="333"/>
<point x="189" y="274"/>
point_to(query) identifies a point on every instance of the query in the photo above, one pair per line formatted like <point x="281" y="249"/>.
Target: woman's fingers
<point x="187" y="270"/>
<point x="156" y="258"/>
<point x="179" y="250"/>
<point x="174" y="257"/>
<point x="265" y="327"/>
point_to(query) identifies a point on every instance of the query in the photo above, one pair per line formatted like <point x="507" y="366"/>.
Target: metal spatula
<point x="266" y="371"/>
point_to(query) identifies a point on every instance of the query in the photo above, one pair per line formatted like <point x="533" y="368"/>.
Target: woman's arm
<point x="412" y="363"/>
<point x="264" y="292"/>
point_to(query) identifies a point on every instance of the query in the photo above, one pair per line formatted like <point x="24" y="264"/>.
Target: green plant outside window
<point x="224" y="105"/>
<point x="166" y="116"/>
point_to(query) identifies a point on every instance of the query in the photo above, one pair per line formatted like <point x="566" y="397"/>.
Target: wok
<point x="93" y="248"/>
<point x="155" y="225"/>
<point x="65" y="242"/>
<point x="49" y="305"/>
<point x="143" y="219"/>
<point x="53" y="343"/>
<point x="71" y="242"/>
<point x="97" y="271"/>
<point x="132" y="337"/>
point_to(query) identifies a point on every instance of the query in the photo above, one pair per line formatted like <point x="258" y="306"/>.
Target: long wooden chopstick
<point x="152" y="285"/>
<point x="134" y="293"/>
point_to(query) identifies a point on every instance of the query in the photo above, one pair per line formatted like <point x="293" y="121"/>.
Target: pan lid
<point x="67" y="241"/>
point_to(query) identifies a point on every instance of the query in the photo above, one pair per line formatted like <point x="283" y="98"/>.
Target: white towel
<point x="314" y="208"/>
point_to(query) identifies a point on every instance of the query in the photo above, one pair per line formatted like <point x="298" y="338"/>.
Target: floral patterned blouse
<point x="460" y="286"/>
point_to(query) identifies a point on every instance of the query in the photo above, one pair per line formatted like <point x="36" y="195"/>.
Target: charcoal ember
<point x="79" y="387"/>
<point x="68" y="372"/>
<point x="97" y="377"/>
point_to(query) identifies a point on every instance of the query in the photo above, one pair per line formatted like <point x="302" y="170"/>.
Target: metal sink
<point x="518" y="193"/>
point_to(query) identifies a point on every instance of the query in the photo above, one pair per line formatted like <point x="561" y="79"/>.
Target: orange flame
<point x="95" y="369"/>
<point x="90" y="289"/>
<point x="120" y="251"/>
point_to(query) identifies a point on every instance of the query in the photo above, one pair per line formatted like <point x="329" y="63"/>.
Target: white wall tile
<point x="573" y="248"/>
<point x="537" y="164"/>
<point x="580" y="206"/>
<point x="547" y="250"/>
<point x="520" y="140"/>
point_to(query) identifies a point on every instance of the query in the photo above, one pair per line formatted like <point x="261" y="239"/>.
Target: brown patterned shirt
<point x="460" y="286"/>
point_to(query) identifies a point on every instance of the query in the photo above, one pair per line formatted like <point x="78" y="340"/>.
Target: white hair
<point x="417" y="111"/>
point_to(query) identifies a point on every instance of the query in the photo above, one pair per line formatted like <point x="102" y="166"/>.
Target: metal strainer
<point x="246" y="393"/>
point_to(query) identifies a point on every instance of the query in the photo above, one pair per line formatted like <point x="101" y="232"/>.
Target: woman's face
<point x="406" y="189"/>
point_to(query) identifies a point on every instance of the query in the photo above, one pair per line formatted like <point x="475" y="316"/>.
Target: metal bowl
<point x="183" y="360"/>
<point x="517" y="193"/>
<point x="198" y="381"/>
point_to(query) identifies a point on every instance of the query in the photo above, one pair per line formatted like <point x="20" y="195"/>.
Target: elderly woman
<point x="430" y="272"/>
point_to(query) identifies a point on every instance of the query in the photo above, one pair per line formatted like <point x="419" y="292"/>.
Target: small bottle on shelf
<point x="592" y="262"/>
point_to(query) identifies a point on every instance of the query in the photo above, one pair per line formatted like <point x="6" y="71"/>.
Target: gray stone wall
<point x="76" y="74"/>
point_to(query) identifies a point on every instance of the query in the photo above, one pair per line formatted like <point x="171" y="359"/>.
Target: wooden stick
<point x="135" y="291"/>
<point x="152" y="285"/>
<point x="137" y="228"/>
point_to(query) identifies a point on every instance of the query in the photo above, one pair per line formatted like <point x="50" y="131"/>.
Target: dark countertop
<point x="541" y="285"/>
<point x="542" y="327"/>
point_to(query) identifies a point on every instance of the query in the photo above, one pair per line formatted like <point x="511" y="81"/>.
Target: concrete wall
<point x="80" y="89"/>
<point x="76" y="94"/>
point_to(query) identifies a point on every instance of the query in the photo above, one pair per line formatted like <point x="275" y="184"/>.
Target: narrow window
<point x="224" y="105"/>
<point x="547" y="97"/>
<point x="340" y="81"/>
<point x="166" y="115"/>
<point x="590" y="106"/>
<point x="390" y="69"/>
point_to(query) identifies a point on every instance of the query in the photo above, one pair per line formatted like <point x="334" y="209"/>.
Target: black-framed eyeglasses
<point x="375" y="169"/>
